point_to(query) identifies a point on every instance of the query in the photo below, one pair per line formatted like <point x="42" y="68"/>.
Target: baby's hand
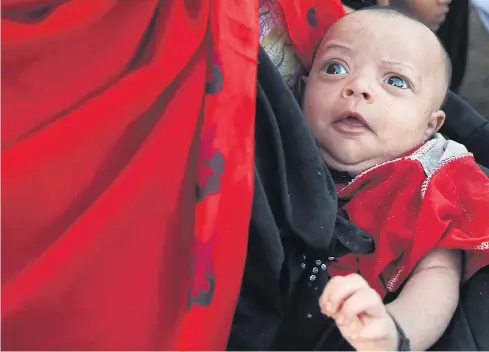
<point x="359" y="313"/>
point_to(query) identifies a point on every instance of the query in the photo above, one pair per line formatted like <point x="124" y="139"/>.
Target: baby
<point x="373" y="100"/>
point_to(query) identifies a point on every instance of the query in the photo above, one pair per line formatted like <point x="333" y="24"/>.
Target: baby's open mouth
<point x="351" y="122"/>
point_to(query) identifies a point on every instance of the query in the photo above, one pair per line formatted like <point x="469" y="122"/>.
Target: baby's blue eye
<point x="335" y="69"/>
<point x="397" y="82"/>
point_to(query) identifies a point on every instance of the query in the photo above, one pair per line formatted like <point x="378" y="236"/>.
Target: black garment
<point x="359" y="4"/>
<point x="294" y="230"/>
<point x="465" y="125"/>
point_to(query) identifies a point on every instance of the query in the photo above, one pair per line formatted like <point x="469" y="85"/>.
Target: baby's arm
<point x="428" y="301"/>
<point x="423" y="309"/>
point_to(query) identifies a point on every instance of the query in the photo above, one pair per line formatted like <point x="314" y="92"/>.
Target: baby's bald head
<point x="410" y="28"/>
<point x="388" y="75"/>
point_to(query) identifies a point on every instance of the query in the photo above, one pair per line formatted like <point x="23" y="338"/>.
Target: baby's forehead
<point x="370" y="26"/>
<point x="383" y="35"/>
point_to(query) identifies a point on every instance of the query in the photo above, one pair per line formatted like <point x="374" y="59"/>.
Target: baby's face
<point x="374" y="90"/>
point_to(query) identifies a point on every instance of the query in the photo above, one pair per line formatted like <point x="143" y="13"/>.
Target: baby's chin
<point x="353" y="165"/>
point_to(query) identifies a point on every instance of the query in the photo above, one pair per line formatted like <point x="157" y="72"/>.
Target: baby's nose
<point x="358" y="91"/>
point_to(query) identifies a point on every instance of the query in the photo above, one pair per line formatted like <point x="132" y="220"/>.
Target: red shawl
<point x="127" y="147"/>
<point x="436" y="197"/>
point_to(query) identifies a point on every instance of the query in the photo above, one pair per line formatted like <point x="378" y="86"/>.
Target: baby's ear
<point x="435" y="121"/>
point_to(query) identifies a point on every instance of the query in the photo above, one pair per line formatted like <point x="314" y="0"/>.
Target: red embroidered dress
<point x="436" y="197"/>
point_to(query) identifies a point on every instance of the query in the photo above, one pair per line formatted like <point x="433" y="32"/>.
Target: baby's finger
<point x="350" y="327"/>
<point x="365" y="301"/>
<point x="337" y="290"/>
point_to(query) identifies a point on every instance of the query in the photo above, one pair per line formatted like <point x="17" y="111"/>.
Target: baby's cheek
<point x="312" y="112"/>
<point x="402" y="140"/>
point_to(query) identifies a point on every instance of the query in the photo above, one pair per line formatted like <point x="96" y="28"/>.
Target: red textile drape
<point x="127" y="164"/>
<point x="307" y="22"/>
<point x="127" y="145"/>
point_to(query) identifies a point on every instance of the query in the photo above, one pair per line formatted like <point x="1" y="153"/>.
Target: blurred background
<point x="475" y="85"/>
